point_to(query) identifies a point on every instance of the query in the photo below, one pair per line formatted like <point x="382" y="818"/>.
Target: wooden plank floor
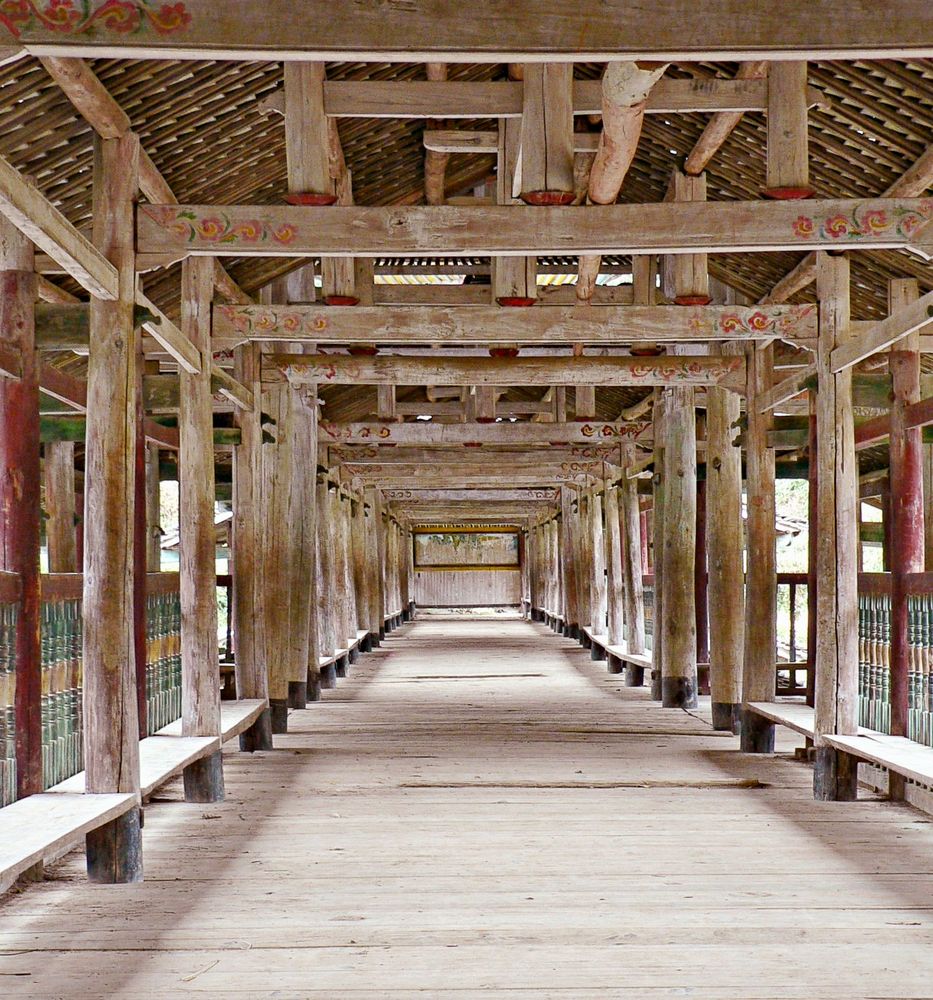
<point x="480" y="810"/>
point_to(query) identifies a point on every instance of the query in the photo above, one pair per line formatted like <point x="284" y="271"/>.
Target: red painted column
<point x="906" y="503"/>
<point x="19" y="494"/>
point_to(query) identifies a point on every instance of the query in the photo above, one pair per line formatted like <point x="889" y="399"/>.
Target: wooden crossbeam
<point x="39" y="220"/>
<point x="332" y="369"/>
<point x="512" y="457"/>
<point x="700" y="227"/>
<point x="472" y="496"/>
<point x="496" y="325"/>
<point x="407" y="475"/>
<point x="522" y="31"/>
<point x="884" y="333"/>
<point x="789" y="387"/>
<point x="424" y="433"/>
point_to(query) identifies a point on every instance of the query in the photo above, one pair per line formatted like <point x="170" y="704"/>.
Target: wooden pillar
<point x="19" y="495"/>
<point x="200" y="680"/>
<point x="378" y="567"/>
<point x="153" y="511"/>
<point x="615" y="590"/>
<point x="405" y="567"/>
<point x="140" y="548"/>
<point x="569" y="564"/>
<point x="658" y="534"/>
<point x="678" y="625"/>
<point x="928" y="505"/>
<point x="907" y="513"/>
<point x="360" y="574"/>
<point x="302" y="428"/>
<point x="325" y="593"/>
<point x="813" y="527"/>
<point x="701" y="578"/>
<point x="630" y="527"/>
<point x="599" y="595"/>
<point x="583" y="552"/>
<point x="60" y="506"/>
<point x="547" y="133"/>
<point x="111" y="723"/>
<point x="788" y="167"/>
<point x="726" y="591"/>
<point x="248" y="620"/>
<point x="760" y="651"/>
<point x="836" y="711"/>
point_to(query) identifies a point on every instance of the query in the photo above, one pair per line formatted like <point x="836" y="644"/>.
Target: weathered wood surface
<point x="334" y="369"/>
<point x="478" y="495"/>
<point x="836" y="700"/>
<point x="424" y="433"/>
<point x="544" y="324"/>
<point x="522" y="32"/>
<point x="720" y="227"/>
<point x="470" y="765"/>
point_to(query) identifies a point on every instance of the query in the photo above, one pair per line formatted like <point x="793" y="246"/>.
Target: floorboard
<point x="481" y="810"/>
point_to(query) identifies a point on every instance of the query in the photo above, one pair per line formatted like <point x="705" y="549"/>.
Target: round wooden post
<point x="760" y="650"/>
<point x="19" y="495"/>
<point x="633" y="552"/>
<point x="835" y="776"/>
<point x="616" y="584"/>
<point x="907" y="512"/>
<point x="324" y="619"/>
<point x="59" y="461"/>
<point x="724" y="543"/>
<point x="678" y="624"/>
<point x="658" y="530"/>
<point x="200" y="674"/>
<point x="599" y="596"/>
<point x="111" y="722"/>
<point x="248" y="620"/>
<point x="568" y="564"/>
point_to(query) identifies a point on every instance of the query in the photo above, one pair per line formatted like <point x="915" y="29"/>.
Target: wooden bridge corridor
<point x="481" y="810"/>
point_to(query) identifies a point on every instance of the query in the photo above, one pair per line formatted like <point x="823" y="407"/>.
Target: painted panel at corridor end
<point x="466" y="548"/>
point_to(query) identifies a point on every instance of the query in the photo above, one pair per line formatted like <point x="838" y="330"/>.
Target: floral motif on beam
<point x="82" y="17"/>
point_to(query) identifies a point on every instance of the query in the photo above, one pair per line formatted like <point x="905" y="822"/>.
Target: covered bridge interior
<point x="528" y="310"/>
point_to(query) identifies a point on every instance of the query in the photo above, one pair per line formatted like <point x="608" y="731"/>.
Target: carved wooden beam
<point x="424" y="433"/>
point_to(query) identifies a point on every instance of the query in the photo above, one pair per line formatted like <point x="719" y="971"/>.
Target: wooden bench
<point x="40" y="829"/>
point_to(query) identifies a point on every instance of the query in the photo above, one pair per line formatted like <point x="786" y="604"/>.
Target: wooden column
<point x="360" y="573"/>
<point x="788" y="174"/>
<point x="302" y="428"/>
<point x="248" y="620"/>
<point x="568" y="562"/>
<point x="615" y="596"/>
<point x="325" y="584"/>
<point x="19" y="494"/>
<point x="658" y="521"/>
<point x="377" y="567"/>
<point x="405" y="565"/>
<point x="630" y="527"/>
<point x="111" y="723"/>
<point x="200" y="692"/>
<point x="153" y="510"/>
<point x="726" y="591"/>
<point x="760" y="643"/>
<point x="907" y="511"/>
<point x="678" y="624"/>
<point x="60" y="506"/>
<point x="583" y="553"/>
<point x="835" y="775"/>
<point x="598" y="593"/>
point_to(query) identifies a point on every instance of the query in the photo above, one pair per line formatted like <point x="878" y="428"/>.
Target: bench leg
<point x="656" y="687"/>
<point x="259" y="734"/>
<point x="585" y="641"/>
<point x="329" y="677"/>
<point x="597" y="652"/>
<point x="314" y="686"/>
<point x="115" y="851"/>
<point x="297" y="694"/>
<point x="757" y="733"/>
<point x="614" y="665"/>
<point x="725" y="716"/>
<point x="634" y="676"/>
<point x="278" y="708"/>
<point x="366" y="643"/>
<point x="341" y="667"/>
<point x="354" y="655"/>
<point x="835" y="775"/>
<point x="204" y="779"/>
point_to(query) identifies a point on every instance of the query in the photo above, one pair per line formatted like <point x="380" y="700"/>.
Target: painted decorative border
<point x="82" y="17"/>
<point x="865" y="222"/>
<point x="220" y="229"/>
<point x="776" y="321"/>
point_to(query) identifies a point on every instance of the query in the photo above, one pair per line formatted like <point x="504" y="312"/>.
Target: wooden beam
<point x="478" y="495"/>
<point x="336" y="369"/>
<point x="525" y="31"/>
<point x="39" y="220"/>
<point x="231" y="388"/>
<point x="549" y="325"/>
<point x="722" y="124"/>
<point x="720" y="227"/>
<point x="786" y="389"/>
<point x="788" y="166"/>
<point x="885" y="333"/>
<point x="402" y="476"/>
<point x="442" y="456"/>
<point x="425" y="433"/>
<point x="163" y="330"/>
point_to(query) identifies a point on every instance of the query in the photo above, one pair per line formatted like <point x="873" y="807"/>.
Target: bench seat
<point x="41" y="828"/>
